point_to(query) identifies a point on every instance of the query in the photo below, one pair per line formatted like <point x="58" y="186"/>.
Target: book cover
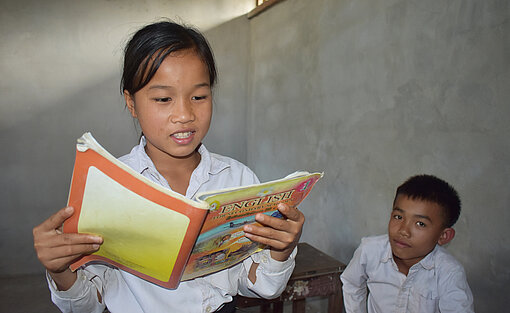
<point x="160" y="235"/>
<point x="221" y="242"/>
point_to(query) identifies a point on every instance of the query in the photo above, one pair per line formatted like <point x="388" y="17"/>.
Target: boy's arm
<point x="354" y="284"/>
<point x="455" y="294"/>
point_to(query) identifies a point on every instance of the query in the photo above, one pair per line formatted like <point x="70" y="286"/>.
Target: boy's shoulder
<point x="375" y="248"/>
<point x="445" y="262"/>
<point x="377" y="241"/>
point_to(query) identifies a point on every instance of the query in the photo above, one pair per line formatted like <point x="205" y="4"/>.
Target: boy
<point x="407" y="270"/>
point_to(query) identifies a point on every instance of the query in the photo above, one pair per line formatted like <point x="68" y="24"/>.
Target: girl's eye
<point x="198" y="98"/>
<point x="165" y="99"/>
<point x="397" y="217"/>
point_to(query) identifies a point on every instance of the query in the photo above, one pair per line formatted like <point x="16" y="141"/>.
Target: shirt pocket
<point x="424" y="299"/>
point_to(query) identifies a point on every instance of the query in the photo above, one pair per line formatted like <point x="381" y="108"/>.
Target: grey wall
<point x="60" y="72"/>
<point x="370" y="92"/>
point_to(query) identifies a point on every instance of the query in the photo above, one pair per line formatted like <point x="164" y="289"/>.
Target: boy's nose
<point x="404" y="230"/>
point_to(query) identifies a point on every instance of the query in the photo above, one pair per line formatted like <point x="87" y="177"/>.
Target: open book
<point x="160" y="235"/>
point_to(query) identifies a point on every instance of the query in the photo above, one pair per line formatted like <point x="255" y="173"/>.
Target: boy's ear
<point x="130" y="103"/>
<point x="446" y="236"/>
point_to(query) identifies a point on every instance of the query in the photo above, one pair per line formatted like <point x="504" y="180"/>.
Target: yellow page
<point x="137" y="233"/>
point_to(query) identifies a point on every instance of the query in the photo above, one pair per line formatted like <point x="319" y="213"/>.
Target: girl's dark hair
<point x="432" y="189"/>
<point x="150" y="45"/>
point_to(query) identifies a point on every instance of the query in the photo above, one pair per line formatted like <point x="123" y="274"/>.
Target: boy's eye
<point x="421" y="224"/>
<point x="397" y="217"/>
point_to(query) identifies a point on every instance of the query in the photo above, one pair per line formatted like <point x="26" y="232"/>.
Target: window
<point x="261" y="6"/>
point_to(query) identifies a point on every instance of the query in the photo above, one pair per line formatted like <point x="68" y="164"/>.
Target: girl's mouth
<point x="182" y="135"/>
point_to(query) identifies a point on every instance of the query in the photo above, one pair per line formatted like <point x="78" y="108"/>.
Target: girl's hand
<point x="57" y="250"/>
<point x="282" y="235"/>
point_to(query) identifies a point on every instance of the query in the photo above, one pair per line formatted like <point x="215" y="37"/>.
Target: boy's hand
<point x="281" y="234"/>
<point x="57" y="250"/>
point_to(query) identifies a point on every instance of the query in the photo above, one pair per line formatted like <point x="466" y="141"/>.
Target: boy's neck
<point x="404" y="265"/>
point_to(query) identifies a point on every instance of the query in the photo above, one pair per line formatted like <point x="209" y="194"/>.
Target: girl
<point x="167" y="82"/>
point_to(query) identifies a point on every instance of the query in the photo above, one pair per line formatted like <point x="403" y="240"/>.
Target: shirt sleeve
<point x="354" y="280"/>
<point x="272" y="275"/>
<point x="81" y="297"/>
<point x="455" y="294"/>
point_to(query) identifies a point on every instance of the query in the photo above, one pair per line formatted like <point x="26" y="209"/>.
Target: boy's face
<point x="414" y="229"/>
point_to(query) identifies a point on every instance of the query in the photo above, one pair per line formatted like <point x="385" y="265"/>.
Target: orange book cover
<point x="158" y="234"/>
<point x="148" y="230"/>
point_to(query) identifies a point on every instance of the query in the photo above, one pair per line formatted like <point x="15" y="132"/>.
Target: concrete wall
<point x="372" y="92"/>
<point x="60" y="71"/>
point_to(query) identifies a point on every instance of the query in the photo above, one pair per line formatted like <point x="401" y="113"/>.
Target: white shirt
<point x="435" y="284"/>
<point x="125" y="293"/>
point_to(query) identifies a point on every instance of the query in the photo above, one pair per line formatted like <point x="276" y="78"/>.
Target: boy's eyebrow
<point x="416" y="215"/>
<point x="424" y="217"/>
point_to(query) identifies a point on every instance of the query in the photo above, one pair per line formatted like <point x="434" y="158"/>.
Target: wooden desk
<point x="316" y="275"/>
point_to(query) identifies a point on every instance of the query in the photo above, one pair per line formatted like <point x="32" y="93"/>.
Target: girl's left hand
<point x="281" y="234"/>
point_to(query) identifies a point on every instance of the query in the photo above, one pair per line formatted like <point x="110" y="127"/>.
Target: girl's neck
<point x="176" y="171"/>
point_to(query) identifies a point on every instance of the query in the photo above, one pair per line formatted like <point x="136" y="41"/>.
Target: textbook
<point x="160" y="235"/>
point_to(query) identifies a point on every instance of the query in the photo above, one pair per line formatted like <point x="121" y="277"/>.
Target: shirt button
<point x="208" y="309"/>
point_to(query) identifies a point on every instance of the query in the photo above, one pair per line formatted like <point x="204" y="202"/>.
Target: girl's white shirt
<point x="126" y="293"/>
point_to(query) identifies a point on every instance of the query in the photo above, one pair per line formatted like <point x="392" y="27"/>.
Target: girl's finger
<point x="276" y="244"/>
<point x="56" y="220"/>
<point x="77" y="239"/>
<point x="273" y="222"/>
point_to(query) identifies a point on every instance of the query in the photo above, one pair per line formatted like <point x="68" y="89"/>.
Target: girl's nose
<point x="182" y="111"/>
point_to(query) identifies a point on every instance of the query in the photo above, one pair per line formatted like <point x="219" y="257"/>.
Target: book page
<point x="136" y="231"/>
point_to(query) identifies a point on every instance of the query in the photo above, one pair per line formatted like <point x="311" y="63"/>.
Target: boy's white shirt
<point x="435" y="284"/>
<point x="126" y="293"/>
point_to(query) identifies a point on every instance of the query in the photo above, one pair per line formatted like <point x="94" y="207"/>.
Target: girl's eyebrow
<point x="200" y="85"/>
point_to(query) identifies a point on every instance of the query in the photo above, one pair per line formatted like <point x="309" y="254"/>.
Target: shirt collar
<point x="143" y="162"/>
<point x="428" y="262"/>
<point x="209" y="165"/>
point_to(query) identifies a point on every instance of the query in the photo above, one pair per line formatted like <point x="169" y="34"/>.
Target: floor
<point x="27" y="294"/>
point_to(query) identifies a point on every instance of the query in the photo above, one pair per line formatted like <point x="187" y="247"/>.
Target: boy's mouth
<point x="401" y="244"/>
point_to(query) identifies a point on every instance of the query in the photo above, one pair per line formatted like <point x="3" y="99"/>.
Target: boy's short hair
<point x="432" y="189"/>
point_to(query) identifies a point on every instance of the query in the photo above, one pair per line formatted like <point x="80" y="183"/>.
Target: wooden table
<point x="316" y="275"/>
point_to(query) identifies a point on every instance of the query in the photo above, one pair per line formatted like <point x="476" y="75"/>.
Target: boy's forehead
<point x="418" y="206"/>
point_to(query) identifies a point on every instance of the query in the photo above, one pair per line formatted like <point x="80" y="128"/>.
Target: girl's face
<point x="175" y="108"/>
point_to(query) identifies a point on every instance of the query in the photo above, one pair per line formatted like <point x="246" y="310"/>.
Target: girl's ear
<point x="130" y="103"/>
<point x="446" y="236"/>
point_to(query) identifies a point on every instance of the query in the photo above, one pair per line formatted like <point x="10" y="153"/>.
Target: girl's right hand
<point x="56" y="250"/>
